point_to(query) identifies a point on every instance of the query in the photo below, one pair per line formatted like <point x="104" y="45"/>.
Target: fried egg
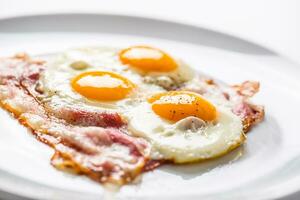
<point x="184" y="127"/>
<point x="93" y="78"/>
<point x="138" y="83"/>
<point x="156" y="66"/>
<point x="84" y="65"/>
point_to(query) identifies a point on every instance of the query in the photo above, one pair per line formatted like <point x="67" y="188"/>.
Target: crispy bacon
<point x="85" y="117"/>
<point x="247" y="89"/>
<point x="237" y="94"/>
<point x="251" y="114"/>
<point x="152" y="164"/>
<point x="98" y="150"/>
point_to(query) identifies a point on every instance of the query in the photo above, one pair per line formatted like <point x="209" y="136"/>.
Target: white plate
<point x="267" y="166"/>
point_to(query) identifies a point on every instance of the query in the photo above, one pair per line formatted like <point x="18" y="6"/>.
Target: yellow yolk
<point x="176" y="105"/>
<point x="147" y="59"/>
<point x="102" y="86"/>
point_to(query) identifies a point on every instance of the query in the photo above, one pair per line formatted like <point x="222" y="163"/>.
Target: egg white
<point x="181" y="141"/>
<point x="59" y="73"/>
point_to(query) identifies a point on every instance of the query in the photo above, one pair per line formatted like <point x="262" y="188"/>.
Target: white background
<point x="272" y="23"/>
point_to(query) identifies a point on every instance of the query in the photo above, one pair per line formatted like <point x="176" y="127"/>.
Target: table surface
<point x="274" y="24"/>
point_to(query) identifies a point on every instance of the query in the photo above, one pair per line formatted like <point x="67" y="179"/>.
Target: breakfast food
<point x="112" y="114"/>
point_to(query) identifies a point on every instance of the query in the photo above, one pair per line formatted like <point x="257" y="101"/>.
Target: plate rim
<point x="290" y="187"/>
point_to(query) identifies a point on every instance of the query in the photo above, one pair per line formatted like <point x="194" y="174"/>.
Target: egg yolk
<point x="176" y="105"/>
<point x="147" y="59"/>
<point x="102" y="86"/>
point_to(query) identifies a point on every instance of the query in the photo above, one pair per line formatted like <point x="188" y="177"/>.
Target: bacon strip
<point x="99" y="150"/>
<point x="92" y="142"/>
<point x="84" y="117"/>
<point x="247" y="89"/>
<point x="251" y="114"/>
<point x="237" y="94"/>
